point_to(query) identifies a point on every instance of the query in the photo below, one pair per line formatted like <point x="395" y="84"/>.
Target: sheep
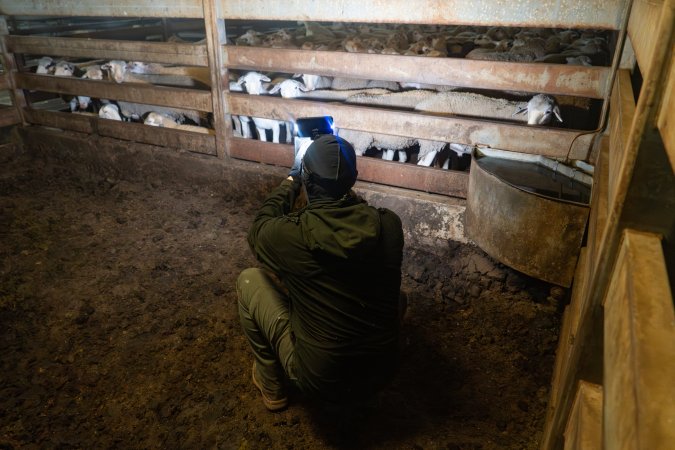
<point x="92" y="72"/>
<point x="313" y="82"/>
<point x="45" y="66"/>
<point x="253" y="82"/>
<point x="251" y="37"/>
<point x="136" y="72"/>
<point x="64" y="69"/>
<point x="239" y="130"/>
<point x="179" y="75"/>
<point x="289" y="88"/>
<point x="136" y="111"/>
<point x="110" y="112"/>
<point x="541" y="109"/>
<point x="162" y="120"/>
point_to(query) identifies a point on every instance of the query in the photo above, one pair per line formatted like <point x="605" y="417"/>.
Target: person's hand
<point x="297" y="167"/>
<point x="297" y="163"/>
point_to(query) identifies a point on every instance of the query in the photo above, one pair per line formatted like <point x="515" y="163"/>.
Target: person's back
<point x="339" y="262"/>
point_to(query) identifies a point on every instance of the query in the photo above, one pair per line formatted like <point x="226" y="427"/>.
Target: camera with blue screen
<point x="313" y="127"/>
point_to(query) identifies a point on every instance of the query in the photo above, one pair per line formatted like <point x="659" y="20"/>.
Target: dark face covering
<point x="329" y="168"/>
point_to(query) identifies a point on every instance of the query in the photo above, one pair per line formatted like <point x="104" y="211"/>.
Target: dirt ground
<point x="119" y="329"/>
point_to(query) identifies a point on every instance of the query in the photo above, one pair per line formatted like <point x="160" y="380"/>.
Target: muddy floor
<point x="119" y="329"/>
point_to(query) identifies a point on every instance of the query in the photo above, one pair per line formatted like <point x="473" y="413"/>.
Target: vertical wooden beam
<point x="639" y="355"/>
<point x="18" y="97"/>
<point x="215" y="38"/>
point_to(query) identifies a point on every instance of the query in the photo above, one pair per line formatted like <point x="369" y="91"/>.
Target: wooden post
<point x="18" y="97"/>
<point x="215" y="38"/>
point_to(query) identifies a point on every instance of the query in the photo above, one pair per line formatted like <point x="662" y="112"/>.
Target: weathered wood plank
<point x="621" y="116"/>
<point x="9" y="116"/>
<point x="165" y="137"/>
<point x="666" y="119"/>
<point x="644" y="17"/>
<point x="159" y="52"/>
<point x="5" y="82"/>
<point x="558" y="79"/>
<point x="599" y="205"/>
<point x="119" y="8"/>
<point x="132" y="92"/>
<point x="409" y="176"/>
<point x="215" y="38"/>
<point x="584" y="427"/>
<point x="639" y="356"/>
<point x="65" y="121"/>
<point x="563" y="368"/>
<point x="526" y="139"/>
<point x="579" y="13"/>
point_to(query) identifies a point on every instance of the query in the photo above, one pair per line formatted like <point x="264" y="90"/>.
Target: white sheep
<point x="253" y="82"/>
<point x="110" y="112"/>
<point x="64" y="69"/>
<point x="92" y="72"/>
<point x="541" y="110"/>
<point x="162" y="120"/>
<point x="313" y="82"/>
<point x="124" y="72"/>
<point x="172" y="75"/>
<point x="45" y="65"/>
<point x="289" y="88"/>
<point x="135" y="111"/>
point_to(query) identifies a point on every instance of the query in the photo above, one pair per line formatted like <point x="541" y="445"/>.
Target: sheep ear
<point x="520" y="110"/>
<point x="275" y="89"/>
<point x="105" y="66"/>
<point x="265" y="78"/>
<point x="297" y="75"/>
<point x="240" y="81"/>
<point x="556" y="111"/>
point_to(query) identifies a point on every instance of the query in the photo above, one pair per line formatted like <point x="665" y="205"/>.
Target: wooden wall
<point x="589" y="82"/>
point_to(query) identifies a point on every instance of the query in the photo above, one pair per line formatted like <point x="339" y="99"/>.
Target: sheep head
<point x="541" y="109"/>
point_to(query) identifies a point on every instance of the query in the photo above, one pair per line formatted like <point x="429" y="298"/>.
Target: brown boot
<point x="269" y="400"/>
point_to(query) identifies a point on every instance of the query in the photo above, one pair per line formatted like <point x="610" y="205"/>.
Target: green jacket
<point x="341" y="263"/>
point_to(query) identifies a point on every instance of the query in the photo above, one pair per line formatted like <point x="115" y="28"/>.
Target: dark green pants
<point x="263" y="311"/>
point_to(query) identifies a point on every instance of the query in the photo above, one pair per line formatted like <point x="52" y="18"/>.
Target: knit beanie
<point x="329" y="167"/>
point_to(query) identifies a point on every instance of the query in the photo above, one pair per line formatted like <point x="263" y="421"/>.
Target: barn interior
<point x="526" y="148"/>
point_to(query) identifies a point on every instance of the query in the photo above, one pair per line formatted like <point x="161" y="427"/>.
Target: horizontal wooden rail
<point x="119" y="8"/>
<point x="561" y="79"/>
<point x="9" y="116"/>
<point x="544" y="141"/>
<point x="5" y="82"/>
<point x="164" y="137"/>
<point x="132" y="92"/>
<point x="84" y="123"/>
<point x="410" y="176"/>
<point x="531" y="13"/>
<point x="159" y="52"/>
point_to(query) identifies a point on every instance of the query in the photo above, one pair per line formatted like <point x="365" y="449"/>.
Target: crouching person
<point x="323" y="314"/>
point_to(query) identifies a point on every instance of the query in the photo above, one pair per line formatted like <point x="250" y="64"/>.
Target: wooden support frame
<point x="215" y="38"/>
<point x="141" y="93"/>
<point x="409" y="176"/>
<point x="158" y="52"/>
<point x="531" y="13"/>
<point x="558" y="79"/>
<point x="138" y="132"/>
<point x="639" y="356"/>
<point x="536" y="140"/>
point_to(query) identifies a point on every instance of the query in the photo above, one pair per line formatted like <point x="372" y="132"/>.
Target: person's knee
<point x="246" y="281"/>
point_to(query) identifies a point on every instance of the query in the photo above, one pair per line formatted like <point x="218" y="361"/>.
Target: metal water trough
<point x="522" y="225"/>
